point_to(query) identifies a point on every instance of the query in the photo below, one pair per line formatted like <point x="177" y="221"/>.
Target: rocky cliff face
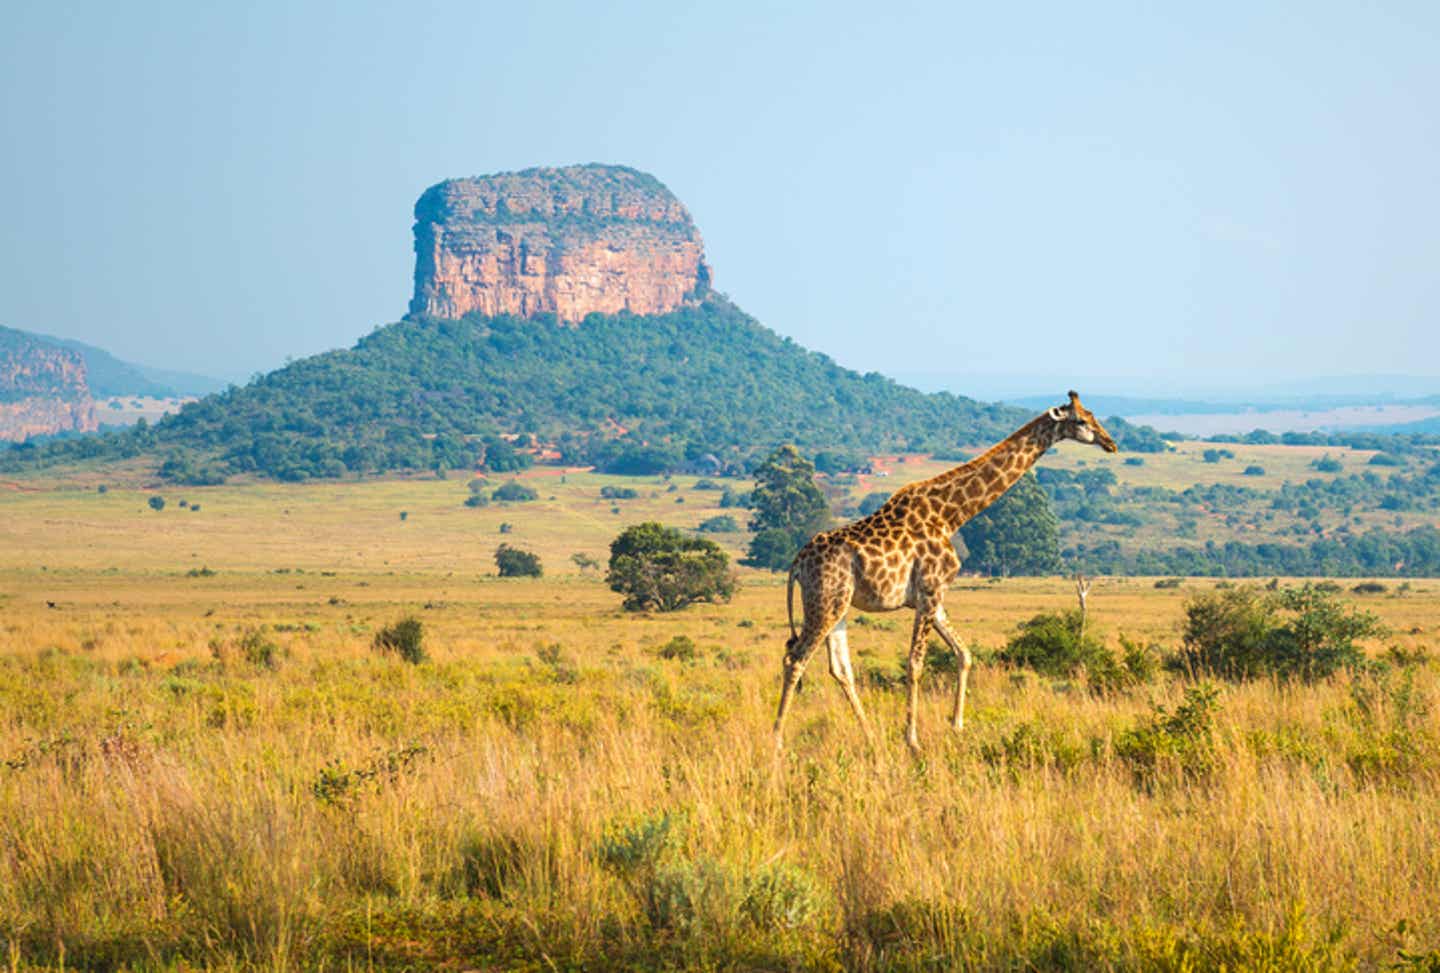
<point x="42" y="389"/>
<point x="568" y="241"/>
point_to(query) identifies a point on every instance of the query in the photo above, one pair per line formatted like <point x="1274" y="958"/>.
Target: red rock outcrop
<point x="568" y="241"/>
<point x="43" y="389"/>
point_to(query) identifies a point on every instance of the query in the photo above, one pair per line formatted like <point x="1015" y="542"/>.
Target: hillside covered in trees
<point x="624" y="392"/>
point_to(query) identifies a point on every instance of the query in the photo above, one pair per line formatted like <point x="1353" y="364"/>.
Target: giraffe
<point x="901" y="556"/>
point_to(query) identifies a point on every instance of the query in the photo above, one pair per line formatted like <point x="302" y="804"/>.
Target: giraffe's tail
<point x="790" y="608"/>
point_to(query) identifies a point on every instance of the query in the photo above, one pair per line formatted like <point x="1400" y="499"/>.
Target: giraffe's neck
<point x="966" y="490"/>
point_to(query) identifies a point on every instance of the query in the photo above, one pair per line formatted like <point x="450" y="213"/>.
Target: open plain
<point x="204" y="761"/>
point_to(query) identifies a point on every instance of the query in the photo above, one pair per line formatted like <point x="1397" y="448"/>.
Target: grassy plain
<point x="217" y="770"/>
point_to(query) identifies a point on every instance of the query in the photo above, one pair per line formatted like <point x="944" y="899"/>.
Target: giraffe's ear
<point x="1057" y="413"/>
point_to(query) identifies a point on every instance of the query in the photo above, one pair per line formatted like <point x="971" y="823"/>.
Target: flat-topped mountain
<point x="567" y="307"/>
<point x="43" y="388"/>
<point x="571" y="241"/>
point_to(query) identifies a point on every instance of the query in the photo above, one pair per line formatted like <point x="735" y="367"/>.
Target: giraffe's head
<point x="1074" y="421"/>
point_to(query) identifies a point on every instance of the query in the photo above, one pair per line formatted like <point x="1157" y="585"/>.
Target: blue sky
<point x="1135" y="195"/>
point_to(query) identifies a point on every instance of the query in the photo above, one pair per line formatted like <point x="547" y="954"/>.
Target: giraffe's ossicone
<point x="901" y="557"/>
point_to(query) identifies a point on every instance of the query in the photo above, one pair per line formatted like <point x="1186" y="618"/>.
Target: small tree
<point x="657" y="567"/>
<point x="515" y="562"/>
<point x="789" y="509"/>
<point x="157" y="503"/>
<point x="515" y="492"/>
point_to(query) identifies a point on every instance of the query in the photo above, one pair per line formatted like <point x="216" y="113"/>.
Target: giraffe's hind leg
<point x="840" y="668"/>
<point x="826" y="596"/>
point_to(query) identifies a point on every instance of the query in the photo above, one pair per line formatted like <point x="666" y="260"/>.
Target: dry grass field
<point x="204" y="763"/>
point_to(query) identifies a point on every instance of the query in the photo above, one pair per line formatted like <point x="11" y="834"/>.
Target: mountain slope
<point x="625" y="392"/>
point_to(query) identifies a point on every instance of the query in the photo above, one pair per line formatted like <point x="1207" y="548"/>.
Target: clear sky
<point x="1157" y="196"/>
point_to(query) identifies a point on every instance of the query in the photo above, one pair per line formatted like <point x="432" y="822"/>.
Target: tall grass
<point x="494" y="808"/>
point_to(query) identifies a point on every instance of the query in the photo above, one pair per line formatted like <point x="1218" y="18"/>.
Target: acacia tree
<point x="1017" y="534"/>
<point x="789" y="509"/>
<point x="657" y="567"/>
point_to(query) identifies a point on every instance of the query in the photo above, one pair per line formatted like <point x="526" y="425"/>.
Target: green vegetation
<point x="157" y="503"/>
<point x="515" y="562"/>
<point x="789" y="509"/>
<point x="425" y="394"/>
<point x="658" y="568"/>
<point x="405" y="638"/>
<point x="1291" y="633"/>
<point x="515" y="492"/>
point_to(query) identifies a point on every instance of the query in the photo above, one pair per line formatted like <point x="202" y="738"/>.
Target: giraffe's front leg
<point x="962" y="667"/>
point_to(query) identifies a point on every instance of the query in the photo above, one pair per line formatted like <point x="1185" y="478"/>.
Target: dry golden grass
<point x="219" y="771"/>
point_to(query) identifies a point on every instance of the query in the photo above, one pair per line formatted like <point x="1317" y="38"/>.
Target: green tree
<point x="515" y="562"/>
<point x="657" y="567"/>
<point x="157" y="503"/>
<point x="1018" y="534"/>
<point x="789" y="509"/>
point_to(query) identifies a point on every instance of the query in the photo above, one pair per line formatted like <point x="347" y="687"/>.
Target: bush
<point x="515" y="562"/>
<point x="1327" y="464"/>
<point x="681" y="647"/>
<point x="157" y="503"/>
<point x="1254" y="471"/>
<point x="514" y="492"/>
<point x="723" y="524"/>
<point x="258" y="650"/>
<point x="1050" y="643"/>
<point x="618" y="493"/>
<point x="1387" y="459"/>
<point x="657" y="567"/>
<point x="1291" y="633"/>
<point x="1179" y="744"/>
<point x="405" y="638"/>
<point x="477" y="500"/>
<point x="1369" y="588"/>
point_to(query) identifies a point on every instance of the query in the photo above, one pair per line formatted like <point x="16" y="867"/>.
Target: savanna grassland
<point x="205" y="761"/>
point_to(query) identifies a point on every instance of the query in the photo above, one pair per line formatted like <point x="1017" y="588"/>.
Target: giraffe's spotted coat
<point x="901" y="556"/>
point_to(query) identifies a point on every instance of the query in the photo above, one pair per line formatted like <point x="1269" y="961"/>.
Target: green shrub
<point x="633" y="846"/>
<point x="157" y="503"/>
<point x="1051" y="644"/>
<point x="515" y="562"/>
<point x="477" y="500"/>
<point x="515" y="492"/>
<point x="723" y="524"/>
<point x="405" y="638"/>
<point x="781" y="896"/>
<point x="618" y="493"/>
<point x="1170" y="745"/>
<point x="1369" y="588"/>
<point x="681" y="647"/>
<point x="258" y="650"/>
<point x="1169" y="582"/>
<point x="1254" y="471"/>
<point x="1290" y="633"/>
<point x="691" y="897"/>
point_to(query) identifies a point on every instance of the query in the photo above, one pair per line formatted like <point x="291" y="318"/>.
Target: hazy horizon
<point x="1192" y="199"/>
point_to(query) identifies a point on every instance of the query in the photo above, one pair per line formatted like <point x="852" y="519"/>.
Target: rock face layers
<point x="569" y="241"/>
<point x="42" y="389"/>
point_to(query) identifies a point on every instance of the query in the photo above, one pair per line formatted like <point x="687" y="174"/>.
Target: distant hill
<point x="625" y="392"/>
<point x="109" y="376"/>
